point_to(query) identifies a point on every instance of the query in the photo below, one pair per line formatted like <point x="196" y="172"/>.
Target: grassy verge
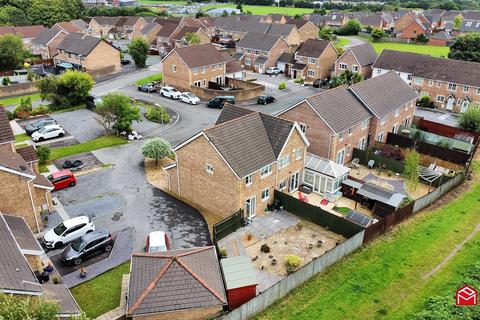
<point x="101" y="294"/>
<point x="16" y="100"/>
<point x="384" y="279"/>
<point x="80" y="106"/>
<point x="95" y="144"/>
<point x="155" y="77"/>
<point x="434" y="51"/>
<point x="22" y="137"/>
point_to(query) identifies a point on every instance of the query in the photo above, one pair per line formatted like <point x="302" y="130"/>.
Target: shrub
<point x="157" y="114"/>
<point x="6" y="81"/>
<point x="292" y="262"/>
<point x="425" y="102"/>
<point x="223" y="252"/>
<point x="24" y="109"/>
<point x="389" y="151"/>
<point x="10" y="115"/>
<point x="301" y="81"/>
<point x="282" y="85"/>
<point x="43" y="153"/>
<point x="470" y="120"/>
<point x="265" y="248"/>
<point x="42" y="109"/>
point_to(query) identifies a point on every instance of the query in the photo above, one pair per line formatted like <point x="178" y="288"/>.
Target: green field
<point x="415" y="48"/>
<point x="384" y="280"/>
<point x="101" y="294"/>
<point x="95" y="144"/>
<point x="261" y="10"/>
<point x="16" y="100"/>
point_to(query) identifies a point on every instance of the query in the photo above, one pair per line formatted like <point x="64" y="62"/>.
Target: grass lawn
<point x="342" y="210"/>
<point x="155" y="77"/>
<point x="384" y="279"/>
<point x="415" y="48"/>
<point x="101" y="294"/>
<point x="95" y="144"/>
<point x="16" y="100"/>
<point x="341" y="42"/>
<point x="261" y="10"/>
<point x="22" y="137"/>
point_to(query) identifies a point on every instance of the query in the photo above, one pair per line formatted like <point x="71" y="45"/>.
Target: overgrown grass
<point x="101" y="294"/>
<point x="155" y="77"/>
<point x="95" y="144"/>
<point x="21" y="137"/>
<point x="434" y="51"/>
<point x="384" y="279"/>
<point x="16" y="100"/>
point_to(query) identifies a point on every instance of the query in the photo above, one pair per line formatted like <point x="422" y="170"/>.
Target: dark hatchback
<point x="37" y="125"/>
<point x="264" y="99"/>
<point x="86" y="247"/>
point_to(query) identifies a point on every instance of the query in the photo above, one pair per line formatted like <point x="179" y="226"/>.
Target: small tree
<point x="410" y="171"/>
<point x="239" y="7"/>
<point x="470" y="120"/>
<point x="192" y="38"/>
<point x="422" y="38"/>
<point x="6" y="81"/>
<point x="157" y="148"/>
<point x="116" y="112"/>
<point x="138" y="49"/>
<point x="43" y="154"/>
<point x="24" y="109"/>
<point x="377" y="34"/>
<point x="425" y="102"/>
<point x="352" y="28"/>
<point x="457" y="22"/>
<point x="225" y="13"/>
<point x="326" y="33"/>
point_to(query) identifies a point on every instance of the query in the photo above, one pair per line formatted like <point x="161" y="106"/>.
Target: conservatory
<point x="324" y="176"/>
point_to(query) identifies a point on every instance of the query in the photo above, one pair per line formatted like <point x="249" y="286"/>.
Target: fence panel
<point x="390" y="164"/>
<point x="433" y="196"/>
<point x="444" y="130"/>
<point x="284" y="286"/>
<point x="228" y="225"/>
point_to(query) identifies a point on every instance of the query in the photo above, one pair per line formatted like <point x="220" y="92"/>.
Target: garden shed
<point x="323" y="176"/>
<point x="240" y="280"/>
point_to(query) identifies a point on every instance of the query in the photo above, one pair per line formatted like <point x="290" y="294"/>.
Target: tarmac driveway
<point x="121" y="196"/>
<point x="82" y="124"/>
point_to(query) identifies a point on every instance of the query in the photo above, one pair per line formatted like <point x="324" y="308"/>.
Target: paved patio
<point x="316" y="199"/>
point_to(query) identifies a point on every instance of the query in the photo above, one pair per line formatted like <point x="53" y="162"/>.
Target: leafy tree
<point x="347" y="77"/>
<point x="425" y="102"/>
<point x="321" y="12"/>
<point x="157" y="114"/>
<point x="117" y="112"/>
<point x="466" y="47"/>
<point x="448" y="5"/>
<point x="192" y="38"/>
<point x="410" y="171"/>
<point x="470" y="120"/>
<point x="24" y="109"/>
<point x="49" y="12"/>
<point x="200" y="14"/>
<point x="156" y="148"/>
<point x="326" y="33"/>
<point x="69" y="89"/>
<point x="457" y="22"/>
<point x="298" y="16"/>
<point x="351" y="28"/>
<point x="138" y="49"/>
<point x="12" y="52"/>
<point x="13" y="307"/>
<point x="43" y="153"/>
<point x="13" y="16"/>
<point x="421" y="38"/>
<point x="377" y="34"/>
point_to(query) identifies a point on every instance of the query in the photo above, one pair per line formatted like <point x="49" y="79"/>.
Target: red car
<point x="62" y="179"/>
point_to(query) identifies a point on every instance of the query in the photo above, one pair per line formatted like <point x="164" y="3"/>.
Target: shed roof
<point x="238" y="272"/>
<point x="388" y="197"/>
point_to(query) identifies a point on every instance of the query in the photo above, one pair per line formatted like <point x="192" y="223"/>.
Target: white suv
<point x="48" y="132"/>
<point x="67" y="231"/>
<point x="170" y="92"/>
<point x="273" y="70"/>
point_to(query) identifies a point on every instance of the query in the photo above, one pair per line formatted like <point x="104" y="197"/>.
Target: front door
<point x="464" y="106"/>
<point x="450" y="103"/>
<point x="260" y="68"/>
<point x="250" y="207"/>
<point x="294" y="182"/>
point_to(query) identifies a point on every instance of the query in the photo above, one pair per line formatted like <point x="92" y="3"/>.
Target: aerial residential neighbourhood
<point x="239" y="160"/>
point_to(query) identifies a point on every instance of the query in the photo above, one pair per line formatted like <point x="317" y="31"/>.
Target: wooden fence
<point x="443" y="129"/>
<point x="227" y="225"/>
<point x="436" y="194"/>
<point x="284" y="286"/>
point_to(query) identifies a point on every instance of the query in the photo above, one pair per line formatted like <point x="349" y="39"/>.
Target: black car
<point x="37" y="125"/>
<point x="86" y="247"/>
<point x="148" y="87"/>
<point x="320" y="83"/>
<point x="125" y="62"/>
<point x="92" y="102"/>
<point x="264" y="99"/>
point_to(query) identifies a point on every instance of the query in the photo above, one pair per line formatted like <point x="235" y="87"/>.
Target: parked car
<point x="73" y="165"/>
<point x="219" y="101"/>
<point x="320" y="83"/>
<point x="67" y="231"/>
<point x="48" y="132"/>
<point x="189" y="97"/>
<point x="92" y="102"/>
<point x="157" y="241"/>
<point x="153" y="52"/>
<point x="62" y="179"/>
<point x="273" y="70"/>
<point x="125" y="62"/>
<point x="147" y="87"/>
<point x="37" y="125"/>
<point x="170" y="92"/>
<point x="265" y="99"/>
<point x="86" y="247"/>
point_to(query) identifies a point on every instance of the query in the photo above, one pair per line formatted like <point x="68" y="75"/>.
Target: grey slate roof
<point x="149" y="27"/>
<point x="385" y="93"/>
<point x="470" y="26"/>
<point x="312" y="48"/>
<point x="260" y="60"/>
<point x="22" y="233"/>
<point x="47" y="35"/>
<point x="175" y="280"/>
<point x="237" y="56"/>
<point x="364" y="53"/>
<point x="375" y="20"/>
<point x="250" y="140"/>
<point x="200" y="55"/>
<point x="230" y="112"/>
<point x="442" y="35"/>
<point x="15" y="273"/>
<point x="286" y="58"/>
<point x="280" y="29"/>
<point x="333" y="105"/>
<point x="398" y="60"/>
<point x="80" y="23"/>
<point x="258" y="41"/>
<point x="79" y="44"/>
<point x="167" y="30"/>
<point x="6" y="133"/>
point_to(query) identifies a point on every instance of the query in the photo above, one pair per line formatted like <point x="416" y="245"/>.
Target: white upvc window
<point x="247" y="62"/>
<point x="311" y="73"/>
<point x="350" y="131"/>
<point x="248" y="50"/>
<point x="284" y="161"/>
<point x="452" y="86"/>
<point x="174" y="68"/>
<point x="440" y="98"/>
<point x="379" y="72"/>
<point x="303" y="127"/>
<point x="354" y="68"/>
<point x="466" y="88"/>
<point x="419" y="81"/>
<point x="430" y="83"/>
<point x="312" y="60"/>
<point x="282" y="185"/>
<point x="265" y="171"/>
<point x="265" y="194"/>
<point x="383" y="120"/>
<point x="204" y="69"/>
<point x="195" y="70"/>
<point x="364" y="124"/>
<point x="256" y="52"/>
<point x="439" y="83"/>
<point x="340" y="136"/>
<point x="209" y="168"/>
<point x="342" y="66"/>
<point x="380" y="137"/>
<point x="298" y="154"/>
<point x="248" y="180"/>
<point x="478" y="92"/>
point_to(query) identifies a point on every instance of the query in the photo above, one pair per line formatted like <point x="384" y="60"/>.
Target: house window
<point x="308" y="177"/>
<point x="256" y="52"/>
<point x="298" y="154"/>
<point x="350" y="131"/>
<point x="354" y="68"/>
<point x="364" y="124"/>
<point x="440" y="98"/>
<point x="380" y="137"/>
<point x="362" y="143"/>
<point x="340" y="136"/>
<point x="174" y="68"/>
<point x="209" y="168"/>
<point x="430" y="83"/>
<point x="311" y="73"/>
<point x="439" y="84"/>
<point x="284" y="161"/>
<point x="265" y="194"/>
<point x="264" y="53"/>
<point x="379" y="71"/>
<point x="383" y="119"/>
<point x="397" y="113"/>
<point x="406" y="122"/>
<point x="478" y="92"/>
<point x="466" y="88"/>
<point x="265" y="171"/>
<point x="452" y="86"/>
<point x="312" y="60"/>
<point x="303" y="127"/>
<point x="248" y="50"/>
<point x="282" y="185"/>
<point x="204" y="82"/>
<point x="247" y="62"/>
<point x="195" y="70"/>
<point x="409" y="77"/>
<point x="204" y="69"/>
<point x="348" y="150"/>
<point x="213" y="67"/>
<point x="248" y="180"/>
<point x="419" y="81"/>
<point x="342" y="66"/>
<point x="197" y="83"/>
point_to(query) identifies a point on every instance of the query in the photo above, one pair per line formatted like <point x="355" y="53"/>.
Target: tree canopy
<point x="156" y="148"/>
<point x="470" y="120"/>
<point x="138" y="49"/>
<point x="117" y="113"/>
<point x="49" y="12"/>
<point x="12" y="52"/>
<point x="466" y="47"/>
<point x="192" y="38"/>
<point x="326" y="33"/>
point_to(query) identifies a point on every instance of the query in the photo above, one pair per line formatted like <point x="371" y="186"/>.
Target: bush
<point x="292" y="262"/>
<point x="470" y="120"/>
<point x="282" y="85"/>
<point x="42" y="109"/>
<point x="157" y="114"/>
<point x="265" y="248"/>
<point x="24" y="109"/>
<point x="10" y="115"/>
<point x="389" y="151"/>
<point x="301" y="81"/>
<point x="425" y="102"/>
<point x="6" y="81"/>
<point x="43" y="153"/>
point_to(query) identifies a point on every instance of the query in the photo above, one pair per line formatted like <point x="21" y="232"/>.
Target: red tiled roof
<point x="25" y="32"/>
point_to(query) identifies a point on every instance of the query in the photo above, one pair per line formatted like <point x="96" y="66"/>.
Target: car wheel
<point x="41" y="139"/>
<point x="72" y="184"/>
<point x="61" y="134"/>
<point x="108" y="248"/>
<point x="58" y="245"/>
<point x="191" y="102"/>
<point x="77" y="261"/>
<point x="162" y="94"/>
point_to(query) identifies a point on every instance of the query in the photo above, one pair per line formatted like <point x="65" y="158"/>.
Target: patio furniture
<point x="305" y="189"/>
<point x="371" y="164"/>
<point x="301" y="197"/>
<point x="324" y="202"/>
<point x="355" y="163"/>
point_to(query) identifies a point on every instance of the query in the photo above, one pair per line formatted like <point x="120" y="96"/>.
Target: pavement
<point x="353" y="41"/>
<point x="443" y="117"/>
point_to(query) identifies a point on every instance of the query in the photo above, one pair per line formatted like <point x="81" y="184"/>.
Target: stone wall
<point x="248" y="90"/>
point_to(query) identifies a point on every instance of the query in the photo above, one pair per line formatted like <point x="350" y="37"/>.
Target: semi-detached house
<point x="359" y="58"/>
<point x="315" y="59"/>
<point x="239" y="162"/>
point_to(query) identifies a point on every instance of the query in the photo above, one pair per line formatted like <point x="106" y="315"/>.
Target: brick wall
<point x="308" y="31"/>
<point x="250" y="90"/>
<point x="323" y="65"/>
<point x="349" y="59"/>
<point x="411" y="31"/>
<point x="377" y="127"/>
<point x="103" y="56"/>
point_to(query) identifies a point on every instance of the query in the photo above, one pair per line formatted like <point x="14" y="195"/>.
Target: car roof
<point x="53" y="126"/>
<point x="95" y="235"/>
<point x="75" y="221"/>
<point x="156" y="239"/>
<point x="167" y="87"/>
<point x="60" y="173"/>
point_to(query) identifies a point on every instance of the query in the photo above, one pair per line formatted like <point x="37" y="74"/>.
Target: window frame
<point x="265" y="171"/>
<point x="209" y="168"/>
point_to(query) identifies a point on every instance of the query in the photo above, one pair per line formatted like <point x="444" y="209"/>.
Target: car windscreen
<point x="42" y="130"/>
<point x="157" y="249"/>
<point x="78" y="245"/>
<point x="190" y="95"/>
<point x="60" y="229"/>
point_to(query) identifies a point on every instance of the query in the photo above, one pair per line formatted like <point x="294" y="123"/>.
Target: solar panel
<point x="358" y="218"/>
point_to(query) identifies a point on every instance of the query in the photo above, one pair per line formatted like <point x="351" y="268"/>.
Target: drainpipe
<point x="33" y="205"/>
